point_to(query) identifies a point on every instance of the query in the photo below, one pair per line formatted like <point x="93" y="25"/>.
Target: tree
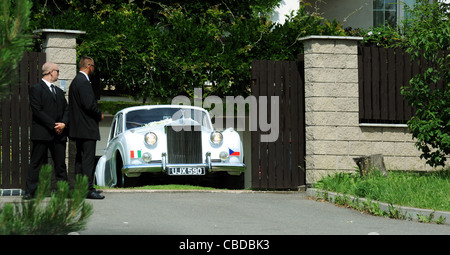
<point x="14" y="19"/>
<point x="428" y="41"/>
<point x="150" y="49"/>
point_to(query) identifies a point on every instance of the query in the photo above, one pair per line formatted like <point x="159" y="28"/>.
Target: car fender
<point x="118" y="151"/>
<point x="100" y="171"/>
<point x="232" y="141"/>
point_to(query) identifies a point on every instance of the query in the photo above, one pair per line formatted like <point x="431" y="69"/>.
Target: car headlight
<point x="150" y="138"/>
<point x="216" y="137"/>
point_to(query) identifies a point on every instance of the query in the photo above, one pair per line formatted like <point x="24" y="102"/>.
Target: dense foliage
<point x="428" y="41"/>
<point x="14" y="18"/>
<point x="162" y="49"/>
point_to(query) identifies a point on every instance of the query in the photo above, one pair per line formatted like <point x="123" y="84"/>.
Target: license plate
<point x="187" y="171"/>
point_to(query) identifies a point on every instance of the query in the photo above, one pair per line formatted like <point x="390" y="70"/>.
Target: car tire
<point x="122" y="180"/>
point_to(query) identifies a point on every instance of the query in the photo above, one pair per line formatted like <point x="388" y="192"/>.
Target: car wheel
<point x="122" y="180"/>
<point x="120" y="175"/>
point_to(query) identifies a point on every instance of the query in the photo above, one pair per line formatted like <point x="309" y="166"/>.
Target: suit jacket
<point x="47" y="109"/>
<point x="84" y="112"/>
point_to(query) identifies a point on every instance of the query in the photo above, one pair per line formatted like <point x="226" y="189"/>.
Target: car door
<point x="110" y="168"/>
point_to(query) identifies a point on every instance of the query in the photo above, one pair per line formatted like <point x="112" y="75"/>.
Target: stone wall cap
<point x="48" y="30"/>
<point x="330" y="37"/>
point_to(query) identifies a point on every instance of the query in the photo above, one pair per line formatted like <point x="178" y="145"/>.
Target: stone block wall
<point x="334" y="135"/>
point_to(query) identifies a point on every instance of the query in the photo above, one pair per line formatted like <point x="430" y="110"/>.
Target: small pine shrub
<point x="66" y="211"/>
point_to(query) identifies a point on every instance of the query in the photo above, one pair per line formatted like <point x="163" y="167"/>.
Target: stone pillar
<point x="60" y="48"/>
<point x="331" y="102"/>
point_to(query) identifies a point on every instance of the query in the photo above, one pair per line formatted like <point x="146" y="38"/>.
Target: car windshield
<point x="156" y="116"/>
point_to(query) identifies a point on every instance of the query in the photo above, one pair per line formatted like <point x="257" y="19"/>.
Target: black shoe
<point x="97" y="191"/>
<point x="94" y="195"/>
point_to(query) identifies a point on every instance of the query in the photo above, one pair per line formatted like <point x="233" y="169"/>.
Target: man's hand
<point x="59" y="127"/>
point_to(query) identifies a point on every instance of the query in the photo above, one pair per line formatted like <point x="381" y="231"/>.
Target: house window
<point x="385" y="12"/>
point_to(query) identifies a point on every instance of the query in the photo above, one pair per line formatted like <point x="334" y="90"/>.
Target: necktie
<point x="53" y="90"/>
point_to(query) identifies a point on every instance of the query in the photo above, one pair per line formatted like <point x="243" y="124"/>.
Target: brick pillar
<point x="331" y="102"/>
<point x="60" y="48"/>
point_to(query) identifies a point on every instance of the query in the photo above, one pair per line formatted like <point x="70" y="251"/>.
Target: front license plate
<point x="187" y="171"/>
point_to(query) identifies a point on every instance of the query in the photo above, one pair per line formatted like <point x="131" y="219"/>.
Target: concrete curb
<point x="410" y="212"/>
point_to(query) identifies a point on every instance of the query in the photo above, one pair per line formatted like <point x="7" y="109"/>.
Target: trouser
<point x="85" y="159"/>
<point x="39" y="157"/>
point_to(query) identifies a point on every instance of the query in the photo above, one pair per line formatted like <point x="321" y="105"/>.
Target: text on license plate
<point x="186" y="171"/>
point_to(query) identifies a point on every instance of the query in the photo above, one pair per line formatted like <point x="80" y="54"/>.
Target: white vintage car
<point x="173" y="139"/>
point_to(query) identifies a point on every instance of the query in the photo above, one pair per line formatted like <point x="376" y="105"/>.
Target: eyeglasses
<point x="56" y="71"/>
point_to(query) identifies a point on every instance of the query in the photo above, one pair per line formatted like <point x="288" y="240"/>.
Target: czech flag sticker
<point x="233" y="153"/>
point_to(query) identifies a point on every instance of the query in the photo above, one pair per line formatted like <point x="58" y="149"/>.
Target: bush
<point x="65" y="212"/>
<point x="428" y="36"/>
<point x="386" y="37"/>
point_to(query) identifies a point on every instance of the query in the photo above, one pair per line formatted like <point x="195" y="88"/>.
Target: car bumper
<point x="159" y="167"/>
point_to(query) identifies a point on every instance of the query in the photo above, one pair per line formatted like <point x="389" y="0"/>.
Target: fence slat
<point x="384" y="90"/>
<point x="285" y="133"/>
<point x="263" y="146"/>
<point x="6" y="145"/>
<point x="295" y="128"/>
<point x="392" y="89"/>
<point x="375" y="82"/>
<point x="271" y="156"/>
<point x="360" y="83"/>
<point x="400" y="81"/>
<point x="279" y="82"/>
<point x="367" y="83"/>
<point x="255" y="135"/>
<point x="15" y="122"/>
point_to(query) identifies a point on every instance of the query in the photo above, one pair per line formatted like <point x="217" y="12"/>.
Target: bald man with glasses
<point x="50" y="116"/>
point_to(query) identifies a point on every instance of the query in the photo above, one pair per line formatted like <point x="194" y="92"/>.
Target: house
<point x="362" y="13"/>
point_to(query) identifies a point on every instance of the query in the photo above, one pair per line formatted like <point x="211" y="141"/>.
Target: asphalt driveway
<point x="237" y="213"/>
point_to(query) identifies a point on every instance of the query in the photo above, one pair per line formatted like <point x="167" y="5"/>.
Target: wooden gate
<point x="15" y="117"/>
<point x="280" y="164"/>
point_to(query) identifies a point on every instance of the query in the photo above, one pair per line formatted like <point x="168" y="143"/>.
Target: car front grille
<point x="184" y="146"/>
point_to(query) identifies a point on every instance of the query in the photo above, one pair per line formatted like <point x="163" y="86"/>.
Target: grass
<point x="427" y="190"/>
<point x="174" y="187"/>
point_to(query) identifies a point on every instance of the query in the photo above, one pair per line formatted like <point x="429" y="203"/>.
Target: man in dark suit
<point x="50" y="117"/>
<point x="84" y="119"/>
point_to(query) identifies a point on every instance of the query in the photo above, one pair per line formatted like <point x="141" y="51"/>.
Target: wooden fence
<point x="382" y="74"/>
<point x="280" y="164"/>
<point x="15" y="119"/>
